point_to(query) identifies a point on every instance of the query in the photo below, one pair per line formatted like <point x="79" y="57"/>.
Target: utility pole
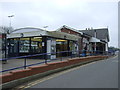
<point x="10" y="16"/>
<point x="95" y="35"/>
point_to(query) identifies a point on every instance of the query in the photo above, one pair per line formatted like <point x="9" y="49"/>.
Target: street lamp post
<point x="10" y="16"/>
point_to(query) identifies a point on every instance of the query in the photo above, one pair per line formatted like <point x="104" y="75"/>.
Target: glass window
<point x="24" y="45"/>
<point x="71" y="45"/>
<point x="61" y="45"/>
<point x="36" y="45"/>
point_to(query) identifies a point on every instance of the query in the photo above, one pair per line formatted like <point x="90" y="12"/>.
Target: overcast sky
<point x="78" y="14"/>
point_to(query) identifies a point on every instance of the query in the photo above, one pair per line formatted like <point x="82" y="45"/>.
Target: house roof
<point x="101" y="34"/>
<point x="75" y="30"/>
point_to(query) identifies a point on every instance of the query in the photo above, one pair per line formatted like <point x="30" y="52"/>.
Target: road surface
<point x="99" y="74"/>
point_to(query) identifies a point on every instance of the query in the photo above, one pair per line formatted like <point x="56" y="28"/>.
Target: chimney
<point x="88" y="28"/>
<point x="91" y="28"/>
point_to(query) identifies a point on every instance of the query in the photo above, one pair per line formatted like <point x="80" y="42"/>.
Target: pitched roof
<point x="101" y="34"/>
<point x="64" y="26"/>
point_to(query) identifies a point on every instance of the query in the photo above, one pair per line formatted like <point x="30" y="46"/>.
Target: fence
<point x="46" y="59"/>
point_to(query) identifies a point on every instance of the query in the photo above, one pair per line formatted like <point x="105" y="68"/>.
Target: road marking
<point x="51" y="76"/>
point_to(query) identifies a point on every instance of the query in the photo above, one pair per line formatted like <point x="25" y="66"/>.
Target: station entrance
<point x="61" y="45"/>
<point x="70" y="47"/>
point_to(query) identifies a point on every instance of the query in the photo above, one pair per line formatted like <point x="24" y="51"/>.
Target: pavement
<point x="99" y="74"/>
<point x="13" y="63"/>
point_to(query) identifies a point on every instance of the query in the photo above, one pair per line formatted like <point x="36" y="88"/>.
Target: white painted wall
<point x="48" y="46"/>
<point x="106" y="47"/>
<point x="93" y="39"/>
<point x="75" y="48"/>
<point x="90" y="47"/>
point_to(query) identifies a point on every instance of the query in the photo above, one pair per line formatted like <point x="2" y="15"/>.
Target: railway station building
<point x="99" y="39"/>
<point x="30" y="41"/>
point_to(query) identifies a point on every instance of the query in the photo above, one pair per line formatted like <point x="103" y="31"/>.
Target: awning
<point x="93" y="39"/>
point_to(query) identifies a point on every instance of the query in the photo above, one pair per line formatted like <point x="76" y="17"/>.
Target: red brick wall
<point x="69" y="31"/>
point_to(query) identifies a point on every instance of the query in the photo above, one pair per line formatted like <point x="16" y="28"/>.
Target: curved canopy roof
<point x="33" y="32"/>
<point x="26" y="29"/>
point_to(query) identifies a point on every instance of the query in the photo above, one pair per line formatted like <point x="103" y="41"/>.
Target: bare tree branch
<point x="5" y="29"/>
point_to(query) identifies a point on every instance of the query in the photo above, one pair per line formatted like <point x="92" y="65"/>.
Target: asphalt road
<point x="100" y="74"/>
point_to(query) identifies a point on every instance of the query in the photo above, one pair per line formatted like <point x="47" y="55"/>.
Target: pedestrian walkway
<point x="13" y="63"/>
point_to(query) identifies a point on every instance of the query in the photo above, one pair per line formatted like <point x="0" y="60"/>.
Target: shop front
<point x="38" y="42"/>
<point x="60" y="47"/>
<point x="25" y="46"/>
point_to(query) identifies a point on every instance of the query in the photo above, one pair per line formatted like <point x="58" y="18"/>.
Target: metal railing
<point x="47" y="57"/>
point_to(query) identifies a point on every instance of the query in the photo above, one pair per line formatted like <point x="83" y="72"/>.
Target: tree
<point x="112" y="49"/>
<point x="5" y="29"/>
